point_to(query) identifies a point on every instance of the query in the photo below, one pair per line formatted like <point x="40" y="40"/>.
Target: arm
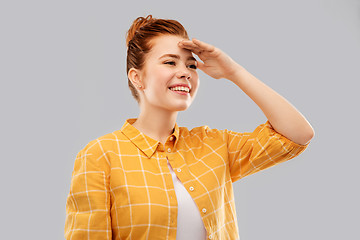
<point x="88" y="203"/>
<point x="283" y="116"/>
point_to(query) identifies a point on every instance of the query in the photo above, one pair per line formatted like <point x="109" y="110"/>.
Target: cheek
<point x="196" y="80"/>
<point x="164" y="76"/>
<point x="160" y="80"/>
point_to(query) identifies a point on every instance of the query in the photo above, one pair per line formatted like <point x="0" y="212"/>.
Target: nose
<point x="184" y="73"/>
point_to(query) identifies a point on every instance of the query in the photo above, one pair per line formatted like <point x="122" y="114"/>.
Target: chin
<point x="183" y="109"/>
<point x="180" y="108"/>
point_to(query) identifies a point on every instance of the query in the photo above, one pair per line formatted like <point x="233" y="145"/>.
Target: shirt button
<point x="191" y="188"/>
<point x="204" y="210"/>
<point x="171" y="138"/>
<point x="169" y="150"/>
<point x="179" y="170"/>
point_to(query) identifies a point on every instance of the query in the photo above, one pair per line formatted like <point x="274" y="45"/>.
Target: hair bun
<point x="136" y="26"/>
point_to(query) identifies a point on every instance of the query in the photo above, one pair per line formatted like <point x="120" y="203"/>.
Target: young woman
<point x="155" y="180"/>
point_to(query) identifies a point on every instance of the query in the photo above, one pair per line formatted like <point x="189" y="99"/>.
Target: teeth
<point x="185" y="89"/>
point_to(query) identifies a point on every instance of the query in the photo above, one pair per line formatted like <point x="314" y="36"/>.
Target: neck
<point x="156" y="123"/>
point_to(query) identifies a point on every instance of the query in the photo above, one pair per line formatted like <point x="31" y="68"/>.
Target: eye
<point x="193" y="66"/>
<point x="170" y="63"/>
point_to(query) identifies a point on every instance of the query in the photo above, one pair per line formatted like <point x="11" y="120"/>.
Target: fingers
<point x="190" y="46"/>
<point x="203" y="45"/>
<point x="196" y="46"/>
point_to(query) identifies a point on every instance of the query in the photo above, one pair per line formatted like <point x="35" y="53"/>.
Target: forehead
<point x="167" y="44"/>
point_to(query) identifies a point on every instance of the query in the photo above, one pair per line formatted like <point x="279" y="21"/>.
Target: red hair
<point x="138" y="41"/>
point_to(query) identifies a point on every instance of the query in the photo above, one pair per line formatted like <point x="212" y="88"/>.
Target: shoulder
<point x="202" y="133"/>
<point x="94" y="156"/>
<point x="102" y="144"/>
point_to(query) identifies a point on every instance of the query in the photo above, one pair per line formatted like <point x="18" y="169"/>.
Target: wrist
<point x="236" y="73"/>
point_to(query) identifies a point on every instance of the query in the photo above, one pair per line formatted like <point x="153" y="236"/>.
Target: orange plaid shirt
<point x="122" y="188"/>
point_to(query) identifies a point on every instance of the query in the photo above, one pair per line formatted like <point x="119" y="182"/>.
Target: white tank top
<point x="189" y="223"/>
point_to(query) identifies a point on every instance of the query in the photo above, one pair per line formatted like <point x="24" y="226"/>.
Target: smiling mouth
<point x="180" y="89"/>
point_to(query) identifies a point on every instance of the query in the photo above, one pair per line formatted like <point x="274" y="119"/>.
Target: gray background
<point x="63" y="84"/>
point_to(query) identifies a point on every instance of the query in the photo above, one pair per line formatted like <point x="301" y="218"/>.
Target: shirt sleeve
<point x="251" y="152"/>
<point x="88" y="203"/>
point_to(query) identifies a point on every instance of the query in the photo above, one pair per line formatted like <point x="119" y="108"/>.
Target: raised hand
<point x="282" y="115"/>
<point x="216" y="63"/>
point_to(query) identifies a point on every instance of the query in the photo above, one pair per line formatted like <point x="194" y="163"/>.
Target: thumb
<point x="200" y="65"/>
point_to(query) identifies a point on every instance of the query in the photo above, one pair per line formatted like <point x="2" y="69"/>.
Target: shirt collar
<point x="145" y="143"/>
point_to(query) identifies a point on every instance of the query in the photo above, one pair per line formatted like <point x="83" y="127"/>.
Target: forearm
<point x="282" y="115"/>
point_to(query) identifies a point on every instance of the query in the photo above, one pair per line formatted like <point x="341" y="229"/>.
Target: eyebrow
<point x="176" y="56"/>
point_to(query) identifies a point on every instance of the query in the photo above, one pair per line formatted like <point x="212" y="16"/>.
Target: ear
<point x="134" y="77"/>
